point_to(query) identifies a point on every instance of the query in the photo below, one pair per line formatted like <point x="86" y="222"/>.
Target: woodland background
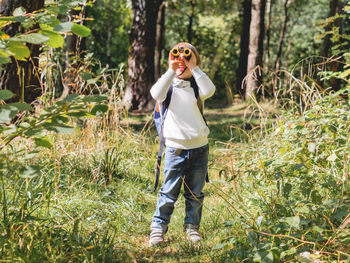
<point x="78" y="146"/>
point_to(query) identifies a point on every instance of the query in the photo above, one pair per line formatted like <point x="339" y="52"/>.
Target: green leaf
<point x="95" y="98"/>
<point x="86" y="75"/>
<point x="311" y="147"/>
<point x="6" y="115"/>
<point x="268" y="258"/>
<point x="63" y="27"/>
<point x="35" y="132"/>
<point x="35" y="38"/>
<point x="303" y="210"/>
<point x="55" y="39"/>
<point x="9" y="111"/>
<point x="30" y="156"/>
<point x="293" y="221"/>
<point x="43" y="142"/>
<point x="28" y="23"/>
<point x="99" y="109"/>
<point x="6" y="94"/>
<point x="79" y="114"/>
<point x="288" y="252"/>
<point x="9" y="129"/>
<point x="4" y="60"/>
<point x="20" y="50"/>
<point x="60" y="119"/>
<point x="30" y="171"/>
<point x="64" y="129"/>
<point x="81" y="30"/>
<point x="21" y="106"/>
<point x="20" y="11"/>
<point x="45" y="18"/>
<point x="332" y="157"/>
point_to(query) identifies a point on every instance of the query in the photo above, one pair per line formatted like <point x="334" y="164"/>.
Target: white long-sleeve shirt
<point x="184" y="126"/>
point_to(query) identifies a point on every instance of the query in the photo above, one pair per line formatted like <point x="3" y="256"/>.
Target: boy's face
<point x="183" y="72"/>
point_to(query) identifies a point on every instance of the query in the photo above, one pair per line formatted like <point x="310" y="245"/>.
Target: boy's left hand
<point x="191" y="64"/>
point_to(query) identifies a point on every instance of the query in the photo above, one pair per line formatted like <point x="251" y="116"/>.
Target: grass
<point x="85" y="208"/>
<point x="94" y="200"/>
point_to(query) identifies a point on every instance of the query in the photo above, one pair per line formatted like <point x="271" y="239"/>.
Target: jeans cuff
<point x="156" y="225"/>
<point x="190" y="226"/>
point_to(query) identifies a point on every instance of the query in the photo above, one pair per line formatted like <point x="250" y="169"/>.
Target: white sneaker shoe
<point x="192" y="233"/>
<point x="157" y="235"/>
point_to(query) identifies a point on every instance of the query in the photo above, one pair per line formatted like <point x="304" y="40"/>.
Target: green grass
<point x="94" y="201"/>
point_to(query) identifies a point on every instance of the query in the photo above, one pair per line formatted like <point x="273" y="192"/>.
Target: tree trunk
<point x="75" y="47"/>
<point x="159" y="41"/>
<point x="327" y="39"/>
<point x="336" y="7"/>
<point x="244" y="46"/>
<point x="22" y="80"/>
<point x="287" y="4"/>
<point x="190" y="22"/>
<point x="256" y="38"/>
<point x="269" y="5"/>
<point x="141" y="56"/>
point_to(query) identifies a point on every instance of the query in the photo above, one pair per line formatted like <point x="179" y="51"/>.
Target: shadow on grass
<point x="225" y="124"/>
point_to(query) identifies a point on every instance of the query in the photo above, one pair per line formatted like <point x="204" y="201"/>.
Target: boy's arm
<point x="160" y="89"/>
<point x="205" y="85"/>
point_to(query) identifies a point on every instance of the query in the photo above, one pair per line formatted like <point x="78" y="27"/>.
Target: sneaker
<point x="157" y="236"/>
<point x="192" y="232"/>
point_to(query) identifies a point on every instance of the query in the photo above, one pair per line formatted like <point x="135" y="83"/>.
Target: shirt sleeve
<point x="161" y="87"/>
<point x="205" y="85"/>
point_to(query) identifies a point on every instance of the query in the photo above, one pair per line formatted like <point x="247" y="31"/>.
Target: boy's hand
<point x="192" y="63"/>
<point x="174" y="64"/>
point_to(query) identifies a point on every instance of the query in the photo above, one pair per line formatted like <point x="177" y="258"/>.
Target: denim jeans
<point x="190" y="166"/>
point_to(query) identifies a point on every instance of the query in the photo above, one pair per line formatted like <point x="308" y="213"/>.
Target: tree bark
<point x="333" y="4"/>
<point x="256" y="47"/>
<point x="141" y="56"/>
<point x="287" y="4"/>
<point x="190" y="22"/>
<point x="244" y="46"/>
<point x="269" y="5"/>
<point x="22" y="80"/>
<point x="336" y="7"/>
<point x="75" y="49"/>
<point x="159" y="41"/>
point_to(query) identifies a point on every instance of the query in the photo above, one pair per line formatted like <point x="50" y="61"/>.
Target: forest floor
<point x="94" y="201"/>
<point x="228" y="128"/>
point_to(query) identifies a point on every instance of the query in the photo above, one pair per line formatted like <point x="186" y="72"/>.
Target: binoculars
<point x="175" y="52"/>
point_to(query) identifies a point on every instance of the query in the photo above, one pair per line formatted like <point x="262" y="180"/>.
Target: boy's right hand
<point x="174" y="64"/>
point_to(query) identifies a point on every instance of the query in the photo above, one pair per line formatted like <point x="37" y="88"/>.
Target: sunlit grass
<point x="94" y="200"/>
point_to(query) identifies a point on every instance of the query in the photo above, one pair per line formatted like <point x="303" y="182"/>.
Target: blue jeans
<point x="191" y="167"/>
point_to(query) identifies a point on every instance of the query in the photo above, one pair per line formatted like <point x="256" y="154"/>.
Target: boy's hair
<point x="193" y="49"/>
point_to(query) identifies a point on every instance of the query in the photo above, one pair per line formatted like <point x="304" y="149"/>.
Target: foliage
<point x="110" y="26"/>
<point x="41" y="27"/>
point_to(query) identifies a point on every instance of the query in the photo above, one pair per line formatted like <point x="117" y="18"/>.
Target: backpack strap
<point x="163" y="109"/>
<point x="199" y="101"/>
<point x="200" y="107"/>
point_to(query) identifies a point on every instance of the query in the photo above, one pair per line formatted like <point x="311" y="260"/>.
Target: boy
<point x="186" y="134"/>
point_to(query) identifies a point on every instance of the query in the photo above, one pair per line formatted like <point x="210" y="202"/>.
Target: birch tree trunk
<point x="256" y="37"/>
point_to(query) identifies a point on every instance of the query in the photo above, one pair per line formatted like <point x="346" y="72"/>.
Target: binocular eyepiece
<point x="175" y="52"/>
